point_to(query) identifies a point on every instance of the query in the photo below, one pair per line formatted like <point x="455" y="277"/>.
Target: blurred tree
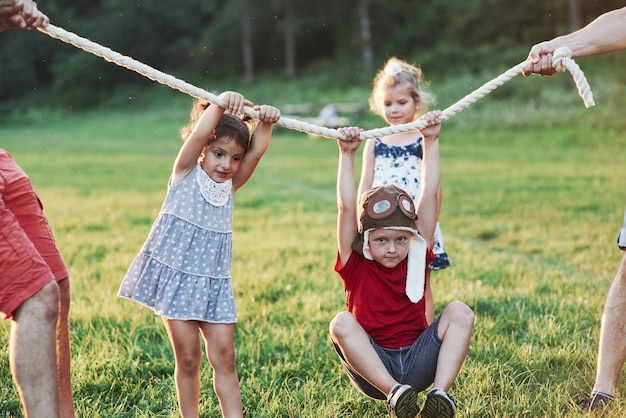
<point x="246" y="42"/>
<point x="366" y="36"/>
<point x="575" y="19"/>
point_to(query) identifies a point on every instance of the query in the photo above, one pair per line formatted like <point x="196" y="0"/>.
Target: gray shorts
<point x="413" y="365"/>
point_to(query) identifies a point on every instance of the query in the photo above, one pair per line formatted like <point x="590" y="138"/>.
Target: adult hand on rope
<point x="21" y="14"/>
<point x="541" y="60"/>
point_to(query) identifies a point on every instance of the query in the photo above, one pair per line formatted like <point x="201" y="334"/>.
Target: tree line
<point x="203" y="40"/>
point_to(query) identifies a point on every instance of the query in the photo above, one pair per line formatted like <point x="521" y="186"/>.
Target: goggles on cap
<point x="383" y="205"/>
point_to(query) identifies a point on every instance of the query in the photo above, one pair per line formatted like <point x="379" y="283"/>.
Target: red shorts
<point x="29" y="257"/>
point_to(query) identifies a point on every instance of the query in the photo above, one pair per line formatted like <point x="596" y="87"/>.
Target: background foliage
<point x="201" y="41"/>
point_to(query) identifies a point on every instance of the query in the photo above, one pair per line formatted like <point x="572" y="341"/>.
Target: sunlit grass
<point x="530" y="215"/>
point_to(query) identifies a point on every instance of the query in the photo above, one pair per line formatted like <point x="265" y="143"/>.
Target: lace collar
<point x="215" y="193"/>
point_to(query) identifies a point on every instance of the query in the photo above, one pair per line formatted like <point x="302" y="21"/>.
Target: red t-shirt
<point x="376" y="296"/>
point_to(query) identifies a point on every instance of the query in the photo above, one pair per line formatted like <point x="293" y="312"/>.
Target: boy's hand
<point x="352" y="139"/>
<point x="234" y="102"/>
<point x="434" y="124"/>
<point x="268" y="114"/>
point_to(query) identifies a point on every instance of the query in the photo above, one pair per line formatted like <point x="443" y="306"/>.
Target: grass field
<point x="533" y="199"/>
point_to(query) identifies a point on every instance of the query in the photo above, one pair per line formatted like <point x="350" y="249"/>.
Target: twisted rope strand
<point x="562" y="60"/>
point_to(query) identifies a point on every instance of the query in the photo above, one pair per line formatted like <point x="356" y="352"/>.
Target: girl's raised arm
<point x="260" y="141"/>
<point x="367" y="168"/>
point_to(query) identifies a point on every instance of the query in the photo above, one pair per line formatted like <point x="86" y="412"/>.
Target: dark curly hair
<point x="229" y="126"/>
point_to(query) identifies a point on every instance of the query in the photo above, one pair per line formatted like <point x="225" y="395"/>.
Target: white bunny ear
<point x="416" y="269"/>
<point x="366" y="251"/>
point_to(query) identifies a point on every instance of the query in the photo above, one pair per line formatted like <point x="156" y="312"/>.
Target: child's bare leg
<point x="220" y="347"/>
<point x="188" y="353"/>
<point x="355" y="345"/>
<point x="455" y="331"/>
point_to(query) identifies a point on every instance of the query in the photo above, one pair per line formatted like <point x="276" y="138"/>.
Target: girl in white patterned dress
<point x="182" y="272"/>
<point x="397" y="158"/>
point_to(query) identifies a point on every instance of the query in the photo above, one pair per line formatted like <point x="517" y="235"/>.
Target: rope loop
<point x="561" y="58"/>
<point x="558" y="56"/>
<point x="561" y="61"/>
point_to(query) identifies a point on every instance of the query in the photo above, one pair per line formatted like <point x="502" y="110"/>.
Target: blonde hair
<point x="399" y="73"/>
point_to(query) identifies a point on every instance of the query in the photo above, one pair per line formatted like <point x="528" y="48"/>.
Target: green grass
<point x="533" y="199"/>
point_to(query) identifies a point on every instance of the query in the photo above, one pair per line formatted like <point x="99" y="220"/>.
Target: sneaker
<point x="621" y="237"/>
<point x="596" y="402"/>
<point x="438" y="405"/>
<point x="403" y="401"/>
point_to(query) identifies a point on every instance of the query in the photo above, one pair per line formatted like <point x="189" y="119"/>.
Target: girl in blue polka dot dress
<point x="182" y="272"/>
<point x="397" y="159"/>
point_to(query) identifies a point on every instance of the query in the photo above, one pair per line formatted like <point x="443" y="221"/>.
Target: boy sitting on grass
<point x="383" y="340"/>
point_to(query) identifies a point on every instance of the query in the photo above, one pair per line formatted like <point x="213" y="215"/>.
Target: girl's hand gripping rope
<point x="234" y="102"/>
<point x="433" y="119"/>
<point x="268" y="114"/>
<point x="352" y="138"/>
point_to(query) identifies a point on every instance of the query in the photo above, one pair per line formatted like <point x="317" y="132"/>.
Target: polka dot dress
<point x="183" y="269"/>
<point x="402" y="167"/>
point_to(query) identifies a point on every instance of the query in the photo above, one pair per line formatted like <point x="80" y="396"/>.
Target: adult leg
<point x="188" y="354"/>
<point x="220" y="348"/>
<point x="24" y="208"/>
<point x="32" y="353"/>
<point x="64" y="380"/>
<point x="455" y="332"/>
<point x="355" y="346"/>
<point x="612" y="347"/>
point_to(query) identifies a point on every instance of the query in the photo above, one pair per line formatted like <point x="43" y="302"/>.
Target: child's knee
<point x="462" y="314"/>
<point x="341" y="325"/>
<point x="188" y="363"/>
<point x="222" y="358"/>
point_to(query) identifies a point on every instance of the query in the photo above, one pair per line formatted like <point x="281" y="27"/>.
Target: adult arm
<point x="606" y="34"/>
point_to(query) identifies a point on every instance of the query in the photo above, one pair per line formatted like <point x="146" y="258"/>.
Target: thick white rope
<point x="562" y="60"/>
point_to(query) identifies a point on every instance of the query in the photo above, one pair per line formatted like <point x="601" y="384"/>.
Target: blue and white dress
<point x="401" y="165"/>
<point x="182" y="271"/>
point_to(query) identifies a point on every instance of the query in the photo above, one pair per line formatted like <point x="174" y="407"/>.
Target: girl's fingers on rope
<point x="433" y="117"/>
<point x="351" y="140"/>
<point x="234" y="102"/>
<point x="268" y="114"/>
<point x="350" y="133"/>
<point x="434" y="124"/>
